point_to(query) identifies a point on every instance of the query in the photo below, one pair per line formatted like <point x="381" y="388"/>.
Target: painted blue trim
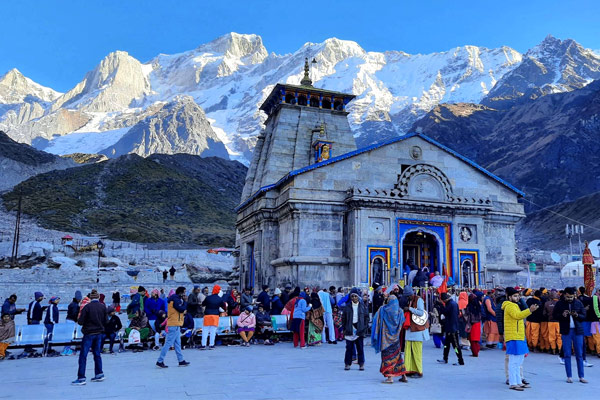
<point x="459" y="282"/>
<point x="255" y="195"/>
<point x="375" y="146"/>
<point x="390" y="249"/>
<point x="403" y="228"/>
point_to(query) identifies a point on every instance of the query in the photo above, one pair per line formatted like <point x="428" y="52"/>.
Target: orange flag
<point x="444" y="286"/>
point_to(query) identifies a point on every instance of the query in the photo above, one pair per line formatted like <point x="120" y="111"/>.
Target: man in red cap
<point x="213" y="306"/>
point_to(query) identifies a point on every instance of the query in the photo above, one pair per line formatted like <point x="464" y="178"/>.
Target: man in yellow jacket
<point x="176" y="310"/>
<point x="514" y="336"/>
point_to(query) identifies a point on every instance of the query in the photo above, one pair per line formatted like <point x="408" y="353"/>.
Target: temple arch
<point x="425" y="181"/>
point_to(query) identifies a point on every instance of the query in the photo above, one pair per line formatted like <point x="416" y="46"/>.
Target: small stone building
<point x="315" y="210"/>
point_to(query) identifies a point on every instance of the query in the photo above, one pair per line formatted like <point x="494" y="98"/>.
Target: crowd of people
<point x="398" y="321"/>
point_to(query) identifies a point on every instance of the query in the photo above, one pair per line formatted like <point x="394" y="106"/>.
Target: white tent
<point x="574" y="269"/>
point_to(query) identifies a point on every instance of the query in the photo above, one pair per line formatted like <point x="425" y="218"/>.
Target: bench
<point x="62" y="334"/>
<point x="68" y="333"/>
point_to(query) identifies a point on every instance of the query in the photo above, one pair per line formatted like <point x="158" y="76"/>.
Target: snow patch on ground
<point x="66" y="263"/>
<point x="85" y="142"/>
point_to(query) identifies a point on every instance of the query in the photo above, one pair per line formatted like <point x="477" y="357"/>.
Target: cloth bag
<point x="134" y="337"/>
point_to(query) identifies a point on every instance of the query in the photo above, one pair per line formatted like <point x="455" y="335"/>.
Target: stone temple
<point x="315" y="210"/>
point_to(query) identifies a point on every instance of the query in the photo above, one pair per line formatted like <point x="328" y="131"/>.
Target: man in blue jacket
<point x="264" y="298"/>
<point x="35" y="312"/>
<point x="152" y="305"/>
<point x="450" y="320"/>
<point x="9" y="307"/>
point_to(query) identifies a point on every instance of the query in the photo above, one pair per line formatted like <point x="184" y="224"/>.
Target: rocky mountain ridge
<point x="19" y="162"/>
<point x="545" y="228"/>
<point x="553" y="66"/>
<point x="548" y="146"/>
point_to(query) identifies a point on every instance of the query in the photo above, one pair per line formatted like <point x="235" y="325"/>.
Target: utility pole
<point x="16" y="237"/>
<point x="569" y="232"/>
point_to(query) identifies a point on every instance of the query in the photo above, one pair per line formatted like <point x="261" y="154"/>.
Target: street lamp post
<point x="100" y="246"/>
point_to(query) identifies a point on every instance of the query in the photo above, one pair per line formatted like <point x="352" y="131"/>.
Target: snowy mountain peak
<point x="12" y="74"/>
<point x="552" y="66"/>
<point x="240" y="46"/>
<point x="553" y="47"/>
<point x="16" y="88"/>
<point x="113" y="85"/>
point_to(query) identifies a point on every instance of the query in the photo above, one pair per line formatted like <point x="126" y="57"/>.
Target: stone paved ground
<point x="281" y="372"/>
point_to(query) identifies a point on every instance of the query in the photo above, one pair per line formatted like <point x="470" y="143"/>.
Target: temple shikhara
<point x="315" y="210"/>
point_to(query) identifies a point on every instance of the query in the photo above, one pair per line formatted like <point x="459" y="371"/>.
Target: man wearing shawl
<point x="385" y="338"/>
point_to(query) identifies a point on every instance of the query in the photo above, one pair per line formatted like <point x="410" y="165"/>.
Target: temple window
<point x="326" y="104"/>
<point x="290" y="98"/>
<point x="338" y="105"/>
<point x="302" y="100"/>
<point x="314" y="101"/>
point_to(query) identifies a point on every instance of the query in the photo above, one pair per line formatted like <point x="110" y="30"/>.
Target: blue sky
<point x="56" y="42"/>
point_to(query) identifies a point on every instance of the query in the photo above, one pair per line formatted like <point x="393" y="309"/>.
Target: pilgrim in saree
<point x="315" y="321"/>
<point x="385" y="338"/>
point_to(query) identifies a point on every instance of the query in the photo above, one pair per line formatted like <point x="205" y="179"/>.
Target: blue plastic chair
<point x="78" y="333"/>
<point x="61" y="333"/>
<point x="31" y="335"/>
<point x="224" y="327"/>
<point x="198" y="324"/>
<point x="280" y="323"/>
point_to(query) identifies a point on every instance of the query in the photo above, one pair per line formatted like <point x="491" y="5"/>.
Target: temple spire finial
<point x="306" y="81"/>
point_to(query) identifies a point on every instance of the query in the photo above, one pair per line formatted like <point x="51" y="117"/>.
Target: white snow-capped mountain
<point x="16" y="88"/>
<point x="231" y="76"/>
<point x="113" y="86"/>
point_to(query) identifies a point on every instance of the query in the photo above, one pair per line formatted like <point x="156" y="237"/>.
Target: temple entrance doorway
<point x="420" y="249"/>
